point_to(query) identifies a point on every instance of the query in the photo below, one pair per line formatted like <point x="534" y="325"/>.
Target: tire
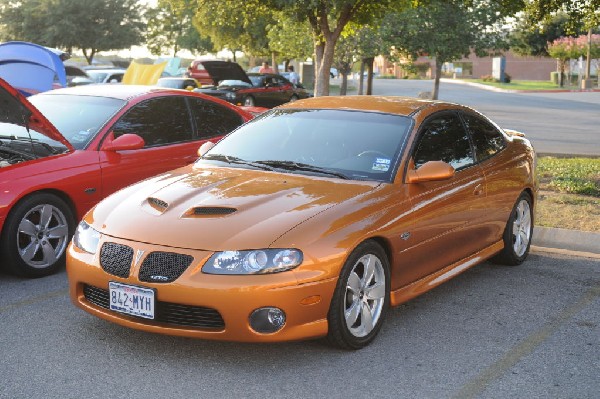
<point x="294" y="98"/>
<point x="517" y="234"/>
<point x="36" y="234"/>
<point x="249" y="101"/>
<point x="354" y="319"/>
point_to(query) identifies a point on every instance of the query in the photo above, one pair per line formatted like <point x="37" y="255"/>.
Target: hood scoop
<point x="156" y="205"/>
<point x="208" y="211"/>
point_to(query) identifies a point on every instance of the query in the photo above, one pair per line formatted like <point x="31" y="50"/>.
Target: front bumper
<point x="305" y="303"/>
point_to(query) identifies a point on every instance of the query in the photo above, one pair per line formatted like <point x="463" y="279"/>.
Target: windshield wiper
<point x="235" y="160"/>
<point x="291" y="165"/>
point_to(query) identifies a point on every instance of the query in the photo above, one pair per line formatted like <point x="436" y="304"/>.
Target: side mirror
<point x="128" y="141"/>
<point x="430" y="171"/>
<point x="205" y="147"/>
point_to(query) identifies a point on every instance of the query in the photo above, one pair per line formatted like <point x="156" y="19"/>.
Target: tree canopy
<point x="88" y="25"/>
<point x="170" y="29"/>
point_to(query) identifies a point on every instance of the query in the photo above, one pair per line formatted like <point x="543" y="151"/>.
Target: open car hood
<point x="222" y="70"/>
<point x="15" y="109"/>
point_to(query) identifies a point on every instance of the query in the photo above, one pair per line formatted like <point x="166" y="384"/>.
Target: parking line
<point x="496" y="370"/>
<point x="33" y="300"/>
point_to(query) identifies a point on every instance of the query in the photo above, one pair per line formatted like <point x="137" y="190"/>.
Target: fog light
<point x="267" y="320"/>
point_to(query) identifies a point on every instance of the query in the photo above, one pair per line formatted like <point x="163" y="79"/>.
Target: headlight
<point x="230" y="95"/>
<point x="259" y="261"/>
<point x="86" y="238"/>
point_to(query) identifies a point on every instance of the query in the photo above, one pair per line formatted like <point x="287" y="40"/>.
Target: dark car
<point x="236" y="86"/>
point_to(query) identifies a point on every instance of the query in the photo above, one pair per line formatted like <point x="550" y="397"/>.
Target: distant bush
<point x="488" y="78"/>
<point x="386" y="77"/>
<point x="507" y="78"/>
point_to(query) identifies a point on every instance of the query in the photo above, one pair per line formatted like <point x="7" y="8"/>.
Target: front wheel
<point x="517" y="234"/>
<point x="361" y="297"/>
<point x="249" y="101"/>
<point x="294" y="98"/>
<point x="36" y="234"/>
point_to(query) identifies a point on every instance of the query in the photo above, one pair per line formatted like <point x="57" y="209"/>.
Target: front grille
<point x="116" y="259"/>
<point x="165" y="312"/>
<point x="164" y="267"/>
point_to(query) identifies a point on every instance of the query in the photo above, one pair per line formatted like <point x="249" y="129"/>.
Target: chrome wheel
<point x="42" y="236"/>
<point x="365" y="292"/>
<point x="521" y="228"/>
<point x="249" y="101"/>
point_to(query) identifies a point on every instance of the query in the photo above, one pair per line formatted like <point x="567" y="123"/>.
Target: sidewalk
<point x="501" y="90"/>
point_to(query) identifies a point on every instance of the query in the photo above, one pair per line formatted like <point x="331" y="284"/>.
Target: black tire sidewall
<point x="8" y="248"/>
<point x="508" y="255"/>
<point x="338" y="331"/>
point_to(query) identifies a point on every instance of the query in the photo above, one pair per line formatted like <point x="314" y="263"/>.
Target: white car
<point x="112" y="75"/>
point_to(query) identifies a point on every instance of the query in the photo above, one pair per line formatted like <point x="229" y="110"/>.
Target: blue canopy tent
<point x="31" y="68"/>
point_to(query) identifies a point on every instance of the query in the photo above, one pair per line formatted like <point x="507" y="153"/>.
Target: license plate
<point x="132" y="300"/>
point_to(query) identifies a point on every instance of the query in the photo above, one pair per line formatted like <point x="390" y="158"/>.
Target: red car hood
<point x="17" y="110"/>
<point x="219" y="208"/>
<point x="223" y="70"/>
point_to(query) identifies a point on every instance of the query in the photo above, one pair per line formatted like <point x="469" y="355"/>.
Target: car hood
<point x="217" y="209"/>
<point x="222" y="70"/>
<point x="17" y="110"/>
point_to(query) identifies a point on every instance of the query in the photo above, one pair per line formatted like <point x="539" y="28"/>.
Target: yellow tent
<point x="143" y="74"/>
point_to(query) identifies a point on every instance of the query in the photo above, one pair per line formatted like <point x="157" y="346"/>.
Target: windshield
<point x="98" y="77"/>
<point x="257" y="80"/>
<point x="230" y="82"/>
<point x="77" y="118"/>
<point x="337" y="143"/>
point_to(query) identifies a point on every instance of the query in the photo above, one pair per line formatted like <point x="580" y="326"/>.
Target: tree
<point x="579" y="11"/>
<point x="170" y="28"/>
<point x="290" y="39"/>
<point x="88" y="25"/>
<point x="437" y="29"/>
<point x="529" y="38"/>
<point x="563" y="49"/>
<point x="327" y="19"/>
<point x="237" y="26"/>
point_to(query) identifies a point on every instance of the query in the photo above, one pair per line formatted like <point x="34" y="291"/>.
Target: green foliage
<point x="170" y="28"/>
<point x="89" y="25"/>
<point x="289" y="38"/>
<point x="579" y="12"/>
<point x="235" y="25"/>
<point x="571" y="175"/>
<point x="533" y="39"/>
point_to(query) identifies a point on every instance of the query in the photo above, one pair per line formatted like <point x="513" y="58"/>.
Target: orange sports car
<point x="309" y="221"/>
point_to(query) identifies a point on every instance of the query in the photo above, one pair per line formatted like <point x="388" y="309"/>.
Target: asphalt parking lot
<point x="493" y="332"/>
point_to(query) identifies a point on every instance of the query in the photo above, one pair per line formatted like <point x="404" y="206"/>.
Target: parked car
<point x="77" y="76"/>
<point x="64" y="150"/>
<point x="253" y="89"/>
<point x="109" y="75"/>
<point x="197" y="71"/>
<point x="309" y="221"/>
<point x="181" y="83"/>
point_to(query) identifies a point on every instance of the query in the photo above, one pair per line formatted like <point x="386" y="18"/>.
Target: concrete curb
<point x="570" y="240"/>
<point x="500" y="90"/>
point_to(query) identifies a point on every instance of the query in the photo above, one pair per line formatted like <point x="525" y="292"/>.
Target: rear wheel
<point x="294" y="98"/>
<point x="361" y="298"/>
<point x="517" y="234"/>
<point x="36" y="234"/>
<point x="249" y="101"/>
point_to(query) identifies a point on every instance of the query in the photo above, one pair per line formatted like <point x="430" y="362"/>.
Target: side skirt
<point x="425" y="284"/>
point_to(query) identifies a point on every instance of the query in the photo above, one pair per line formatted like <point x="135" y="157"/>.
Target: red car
<point x="64" y="150"/>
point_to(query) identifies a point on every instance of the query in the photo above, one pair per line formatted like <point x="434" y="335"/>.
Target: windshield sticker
<point x="381" y="164"/>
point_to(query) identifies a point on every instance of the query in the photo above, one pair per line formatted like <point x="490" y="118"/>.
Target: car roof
<point x="118" y="91"/>
<point x="404" y="106"/>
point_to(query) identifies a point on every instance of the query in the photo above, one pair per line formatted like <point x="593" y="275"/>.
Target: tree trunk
<point x="324" y="69"/>
<point x="438" y="75"/>
<point x="319" y="49"/>
<point x="274" y="62"/>
<point x="360" y="77"/>
<point x="344" y="86"/>
<point x="369" y="63"/>
<point x="561" y="73"/>
<point x="588" y="61"/>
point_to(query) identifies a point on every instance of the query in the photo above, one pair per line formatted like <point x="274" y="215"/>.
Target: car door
<point x="166" y="126"/>
<point x="284" y="90"/>
<point x="496" y="164"/>
<point x="444" y="213"/>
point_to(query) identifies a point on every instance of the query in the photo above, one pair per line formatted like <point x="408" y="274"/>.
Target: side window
<point x="213" y="119"/>
<point x="487" y="139"/>
<point x="444" y="138"/>
<point x="159" y="121"/>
